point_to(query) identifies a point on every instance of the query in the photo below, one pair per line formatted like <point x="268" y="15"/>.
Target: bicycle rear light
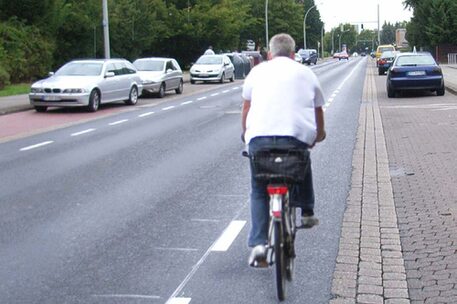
<point x="277" y="190"/>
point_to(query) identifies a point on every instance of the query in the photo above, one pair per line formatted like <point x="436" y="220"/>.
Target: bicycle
<point x="280" y="169"/>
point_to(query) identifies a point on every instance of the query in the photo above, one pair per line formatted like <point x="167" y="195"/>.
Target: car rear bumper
<point x="59" y="100"/>
<point x="416" y="83"/>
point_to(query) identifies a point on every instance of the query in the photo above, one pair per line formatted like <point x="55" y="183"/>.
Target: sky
<point x="334" y="12"/>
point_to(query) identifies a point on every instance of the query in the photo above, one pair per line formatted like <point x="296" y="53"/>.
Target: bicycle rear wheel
<point x="280" y="260"/>
<point x="290" y="246"/>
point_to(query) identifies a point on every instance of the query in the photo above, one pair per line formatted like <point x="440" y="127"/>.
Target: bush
<point x="4" y="77"/>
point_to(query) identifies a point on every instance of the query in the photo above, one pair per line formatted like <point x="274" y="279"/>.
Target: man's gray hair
<point x="282" y="45"/>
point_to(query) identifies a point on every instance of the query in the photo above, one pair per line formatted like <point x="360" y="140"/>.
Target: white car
<point x="87" y="83"/>
<point x="212" y="68"/>
<point x="159" y="75"/>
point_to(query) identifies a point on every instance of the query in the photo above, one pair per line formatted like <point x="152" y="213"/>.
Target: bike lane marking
<point x="36" y="145"/>
<point x="83" y="132"/>
<point x="179" y="301"/>
<point x="228" y="236"/>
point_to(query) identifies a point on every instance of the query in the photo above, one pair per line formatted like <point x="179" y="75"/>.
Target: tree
<point x="388" y="33"/>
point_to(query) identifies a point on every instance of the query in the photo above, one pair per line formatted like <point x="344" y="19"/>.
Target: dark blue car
<point x="413" y="72"/>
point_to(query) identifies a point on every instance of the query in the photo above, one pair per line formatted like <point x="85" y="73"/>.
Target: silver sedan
<point x="87" y="83"/>
<point x="159" y="75"/>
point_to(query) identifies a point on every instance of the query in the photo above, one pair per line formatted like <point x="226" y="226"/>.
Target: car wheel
<point x="192" y="81"/>
<point x="222" y="80"/>
<point x="133" y="96"/>
<point x="161" y="92"/>
<point x="94" y="101"/>
<point x="41" y="109"/>
<point x="380" y="72"/>
<point x="440" y="91"/>
<point x="390" y="92"/>
<point x="232" y="79"/>
<point x="180" y="88"/>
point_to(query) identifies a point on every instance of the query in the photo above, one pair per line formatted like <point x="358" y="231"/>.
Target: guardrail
<point x="452" y="58"/>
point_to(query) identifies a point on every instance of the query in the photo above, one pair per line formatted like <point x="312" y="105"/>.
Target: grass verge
<point x="15" y="89"/>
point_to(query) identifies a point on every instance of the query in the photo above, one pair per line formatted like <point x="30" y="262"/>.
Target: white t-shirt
<point x="283" y="94"/>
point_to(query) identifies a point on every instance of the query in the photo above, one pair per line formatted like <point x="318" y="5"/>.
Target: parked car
<point x="309" y="56"/>
<point x="159" y="75"/>
<point x="298" y="58"/>
<point x="383" y="48"/>
<point x="385" y="61"/>
<point x="87" y="83"/>
<point x="355" y="54"/>
<point x="336" y="55"/>
<point x="413" y="72"/>
<point x="363" y="54"/>
<point x="212" y="68"/>
<point x="238" y="64"/>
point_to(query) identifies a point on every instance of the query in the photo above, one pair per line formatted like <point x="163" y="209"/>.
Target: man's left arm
<point x="244" y="115"/>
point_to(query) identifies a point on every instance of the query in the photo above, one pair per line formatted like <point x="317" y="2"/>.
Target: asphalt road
<point x="130" y="208"/>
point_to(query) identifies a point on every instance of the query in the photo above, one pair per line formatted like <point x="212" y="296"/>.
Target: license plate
<point x="416" y="73"/>
<point x="50" y="98"/>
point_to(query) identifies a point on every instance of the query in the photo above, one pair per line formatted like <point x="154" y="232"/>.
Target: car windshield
<point x="209" y="60"/>
<point x="387" y="54"/>
<point x="415" y="60"/>
<point x="149" y="65"/>
<point x="80" y="69"/>
<point x="304" y="53"/>
<point x="387" y="48"/>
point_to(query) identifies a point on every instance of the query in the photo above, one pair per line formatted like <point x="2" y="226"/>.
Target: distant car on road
<point x="87" y="83"/>
<point x="159" y="75"/>
<point x="385" y="61"/>
<point x="212" y="68"/>
<point x="309" y="56"/>
<point x="414" y="72"/>
<point x="343" y="55"/>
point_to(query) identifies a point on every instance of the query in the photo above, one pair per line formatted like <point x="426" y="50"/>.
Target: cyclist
<point x="282" y="105"/>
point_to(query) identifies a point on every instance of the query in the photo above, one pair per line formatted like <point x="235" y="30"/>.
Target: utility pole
<point x="106" y="29"/>
<point x="379" y="31"/>
<point x="266" y="25"/>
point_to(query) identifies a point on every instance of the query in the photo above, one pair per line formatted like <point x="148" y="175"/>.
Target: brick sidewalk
<point x="421" y="137"/>
<point x="370" y="265"/>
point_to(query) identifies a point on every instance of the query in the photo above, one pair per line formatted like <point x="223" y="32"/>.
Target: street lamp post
<point x="304" y="25"/>
<point x="106" y="29"/>
<point x="339" y="44"/>
<point x="266" y="24"/>
<point x="333" y="44"/>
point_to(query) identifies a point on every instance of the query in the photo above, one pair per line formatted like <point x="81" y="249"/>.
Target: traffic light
<point x="361" y="26"/>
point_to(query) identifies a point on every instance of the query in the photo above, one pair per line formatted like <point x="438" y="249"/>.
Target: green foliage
<point x="434" y="22"/>
<point x="388" y="33"/>
<point x="4" y="77"/>
<point x="27" y="54"/>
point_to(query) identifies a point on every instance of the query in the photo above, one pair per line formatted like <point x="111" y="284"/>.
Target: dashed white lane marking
<point x="204" y="220"/>
<point x="228" y="236"/>
<point x="127" y="296"/>
<point x="146" y="114"/>
<point x="330" y="100"/>
<point x="83" y="132"/>
<point x="36" y="145"/>
<point x="175" y="249"/>
<point x="201" y="98"/>
<point x="187" y="102"/>
<point x="225" y="91"/>
<point x="118" y="122"/>
<point x="214" y="94"/>
<point x="235" y="88"/>
<point x="168" y="108"/>
<point x="179" y="301"/>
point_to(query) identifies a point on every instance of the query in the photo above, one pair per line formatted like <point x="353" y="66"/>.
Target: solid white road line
<point x="146" y="114"/>
<point x="179" y="301"/>
<point x="83" y="132"/>
<point x="168" y="108"/>
<point x="201" y="98"/>
<point x="175" y="249"/>
<point x="228" y="236"/>
<point x="187" y="102"/>
<point x="127" y="296"/>
<point x="118" y="122"/>
<point x="36" y="145"/>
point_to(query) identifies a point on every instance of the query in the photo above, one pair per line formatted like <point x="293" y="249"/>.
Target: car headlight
<point x="307" y="58"/>
<point x="73" y="91"/>
<point x="36" y="90"/>
<point x="147" y="81"/>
